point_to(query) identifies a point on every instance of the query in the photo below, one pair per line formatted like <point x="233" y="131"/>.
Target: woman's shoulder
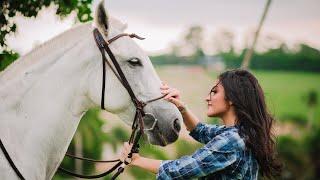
<point x="228" y="139"/>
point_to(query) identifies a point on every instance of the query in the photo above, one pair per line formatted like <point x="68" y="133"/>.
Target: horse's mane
<point x="55" y="46"/>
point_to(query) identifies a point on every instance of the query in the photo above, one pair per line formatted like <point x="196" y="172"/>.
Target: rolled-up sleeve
<point x="214" y="156"/>
<point x="203" y="133"/>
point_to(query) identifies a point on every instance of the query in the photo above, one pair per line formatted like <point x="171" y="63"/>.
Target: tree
<point x="312" y="101"/>
<point x="30" y="8"/>
<point x="194" y="39"/>
<point x="223" y="41"/>
<point x="271" y="41"/>
<point x="7" y="58"/>
<point x="249" y="52"/>
<point x="190" y="44"/>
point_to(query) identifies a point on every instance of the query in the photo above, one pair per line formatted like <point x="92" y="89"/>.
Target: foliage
<point x="30" y="8"/>
<point x="291" y="152"/>
<point x="6" y="58"/>
<point x="306" y="59"/>
<point x="313" y="149"/>
<point x="189" y="50"/>
<point x="191" y="44"/>
<point x="300" y="152"/>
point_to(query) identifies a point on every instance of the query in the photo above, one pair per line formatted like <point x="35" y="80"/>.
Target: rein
<point x="137" y="125"/>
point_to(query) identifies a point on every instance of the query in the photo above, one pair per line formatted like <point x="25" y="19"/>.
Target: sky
<point x="164" y="22"/>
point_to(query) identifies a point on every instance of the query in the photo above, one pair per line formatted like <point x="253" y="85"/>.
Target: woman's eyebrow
<point x="214" y="87"/>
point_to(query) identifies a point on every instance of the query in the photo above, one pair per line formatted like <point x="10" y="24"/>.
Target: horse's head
<point x="142" y="78"/>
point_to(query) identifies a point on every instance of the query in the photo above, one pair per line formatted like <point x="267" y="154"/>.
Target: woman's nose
<point x="207" y="98"/>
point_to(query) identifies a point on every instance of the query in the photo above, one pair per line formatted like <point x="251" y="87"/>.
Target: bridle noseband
<point x="137" y="125"/>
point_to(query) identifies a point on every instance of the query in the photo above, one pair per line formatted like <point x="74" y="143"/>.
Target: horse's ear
<point x="101" y="19"/>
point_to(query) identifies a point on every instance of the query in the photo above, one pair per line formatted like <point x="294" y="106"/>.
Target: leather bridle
<point x="137" y="125"/>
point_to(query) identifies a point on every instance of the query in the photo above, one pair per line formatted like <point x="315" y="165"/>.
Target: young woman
<point x="239" y="149"/>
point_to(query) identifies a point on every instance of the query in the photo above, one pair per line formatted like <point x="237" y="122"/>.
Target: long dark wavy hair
<point x="253" y="119"/>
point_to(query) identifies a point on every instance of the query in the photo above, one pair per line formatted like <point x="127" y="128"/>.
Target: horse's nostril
<point x="176" y="125"/>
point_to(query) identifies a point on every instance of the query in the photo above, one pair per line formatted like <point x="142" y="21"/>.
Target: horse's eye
<point x="135" y="62"/>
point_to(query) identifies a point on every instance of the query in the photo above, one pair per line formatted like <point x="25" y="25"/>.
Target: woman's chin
<point x="210" y="114"/>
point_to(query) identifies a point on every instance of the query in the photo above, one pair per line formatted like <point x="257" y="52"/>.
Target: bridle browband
<point x="137" y="125"/>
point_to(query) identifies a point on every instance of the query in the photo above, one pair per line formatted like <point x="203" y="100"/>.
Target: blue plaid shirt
<point x="223" y="156"/>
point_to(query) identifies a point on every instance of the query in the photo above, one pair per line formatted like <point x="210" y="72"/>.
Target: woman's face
<point x="217" y="105"/>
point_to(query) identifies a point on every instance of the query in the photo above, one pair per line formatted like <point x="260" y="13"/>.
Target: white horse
<point x="44" y="94"/>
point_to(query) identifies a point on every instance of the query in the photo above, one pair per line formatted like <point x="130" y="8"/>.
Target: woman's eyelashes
<point x="213" y="91"/>
<point x="134" y="62"/>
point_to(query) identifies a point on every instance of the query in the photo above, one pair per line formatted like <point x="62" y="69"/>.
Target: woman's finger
<point x="128" y="147"/>
<point x="165" y="91"/>
<point x="168" y="91"/>
<point x="125" y="151"/>
<point x="173" y="93"/>
<point x="163" y="83"/>
<point x="175" y="101"/>
<point x="164" y="87"/>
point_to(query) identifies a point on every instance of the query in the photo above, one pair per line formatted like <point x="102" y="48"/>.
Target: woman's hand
<point x="126" y="151"/>
<point x="148" y="164"/>
<point x="172" y="95"/>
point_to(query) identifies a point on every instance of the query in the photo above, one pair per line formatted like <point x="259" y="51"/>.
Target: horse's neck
<point x="38" y="128"/>
<point x="35" y="62"/>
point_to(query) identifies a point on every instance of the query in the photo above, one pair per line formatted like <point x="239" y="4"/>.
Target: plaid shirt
<point x="223" y="156"/>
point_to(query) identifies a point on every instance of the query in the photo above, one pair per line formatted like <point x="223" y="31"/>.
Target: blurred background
<point x="190" y="43"/>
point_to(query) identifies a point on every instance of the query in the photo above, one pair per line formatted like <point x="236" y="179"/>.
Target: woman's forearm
<point x="189" y="119"/>
<point x="148" y="164"/>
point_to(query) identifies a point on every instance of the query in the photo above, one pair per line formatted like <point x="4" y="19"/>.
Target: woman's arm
<point x="199" y="131"/>
<point x="151" y="165"/>
<point x="218" y="154"/>
<point x="189" y="119"/>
